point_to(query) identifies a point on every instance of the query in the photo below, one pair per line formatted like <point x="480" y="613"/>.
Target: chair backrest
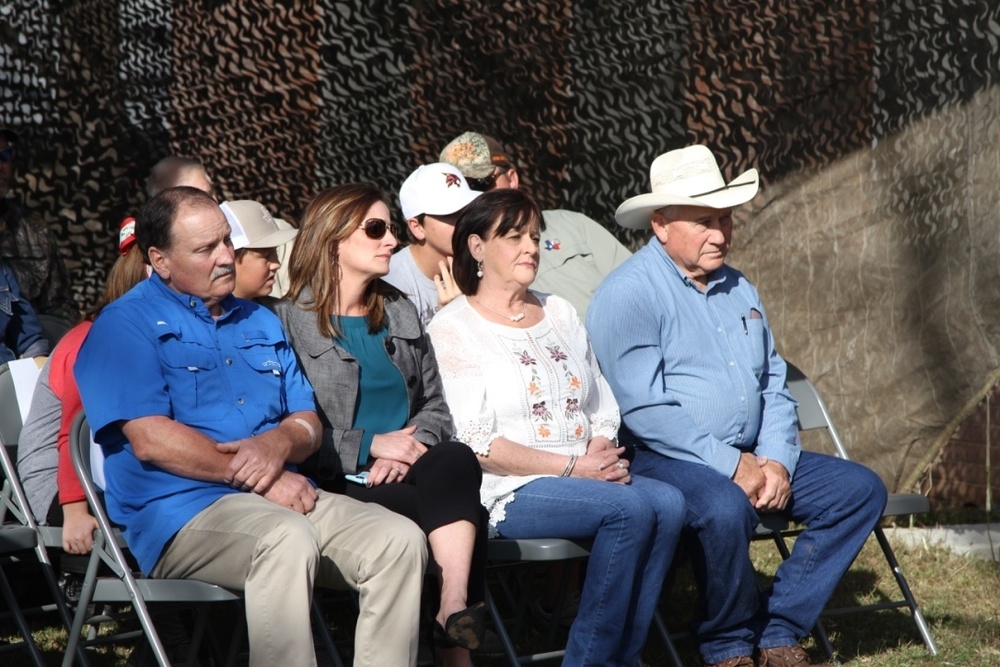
<point x="10" y="413"/>
<point x="12" y="496"/>
<point x="53" y="327"/>
<point x="79" y="450"/>
<point x="106" y="544"/>
<point x="811" y="411"/>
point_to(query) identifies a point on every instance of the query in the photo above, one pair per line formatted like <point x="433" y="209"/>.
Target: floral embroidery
<point x="555" y="388"/>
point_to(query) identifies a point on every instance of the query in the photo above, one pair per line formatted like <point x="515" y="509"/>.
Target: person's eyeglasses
<point x="375" y="228"/>
<point x="7" y="155"/>
<point x="486" y="182"/>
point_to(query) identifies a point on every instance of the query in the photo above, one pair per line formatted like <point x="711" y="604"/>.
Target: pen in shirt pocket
<point x="743" y="318"/>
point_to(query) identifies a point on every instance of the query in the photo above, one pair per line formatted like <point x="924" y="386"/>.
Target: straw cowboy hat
<point x="686" y="177"/>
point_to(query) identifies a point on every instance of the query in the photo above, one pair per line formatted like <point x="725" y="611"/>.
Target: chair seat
<point x="906" y="503"/>
<point x="772" y="523"/>
<point x="17" y="538"/>
<point x="535" y="549"/>
<point x="162" y="590"/>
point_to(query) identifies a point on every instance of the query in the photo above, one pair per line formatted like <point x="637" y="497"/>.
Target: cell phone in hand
<point x="360" y="478"/>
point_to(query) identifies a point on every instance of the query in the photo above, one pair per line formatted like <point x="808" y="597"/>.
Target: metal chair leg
<point x="20" y="620"/>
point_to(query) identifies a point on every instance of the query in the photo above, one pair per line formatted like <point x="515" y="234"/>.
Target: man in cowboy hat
<point x="684" y="341"/>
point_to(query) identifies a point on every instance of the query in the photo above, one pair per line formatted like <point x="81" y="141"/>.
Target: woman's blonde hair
<point x="331" y="217"/>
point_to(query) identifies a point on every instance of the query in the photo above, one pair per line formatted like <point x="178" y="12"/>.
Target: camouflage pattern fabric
<point x="874" y="126"/>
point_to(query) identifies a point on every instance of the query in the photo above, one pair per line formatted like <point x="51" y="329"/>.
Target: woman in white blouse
<point x="528" y="397"/>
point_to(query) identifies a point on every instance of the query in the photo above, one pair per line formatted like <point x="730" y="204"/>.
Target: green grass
<point x="957" y="595"/>
<point x="960" y="598"/>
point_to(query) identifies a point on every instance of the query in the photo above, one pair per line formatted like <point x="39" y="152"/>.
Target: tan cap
<point x="253" y="226"/>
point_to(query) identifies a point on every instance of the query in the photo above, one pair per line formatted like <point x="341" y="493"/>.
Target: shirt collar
<point x="229" y="304"/>
<point x="717" y="277"/>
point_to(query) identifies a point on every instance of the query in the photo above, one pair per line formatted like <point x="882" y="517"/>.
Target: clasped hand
<point x="293" y="491"/>
<point x="254" y="467"/>
<point x="393" y="454"/>
<point x="765" y="482"/>
<point x="603" y="464"/>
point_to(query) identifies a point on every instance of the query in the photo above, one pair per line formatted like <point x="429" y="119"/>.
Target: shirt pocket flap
<point x="178" y="353"/>
<point x="258" y="350"/>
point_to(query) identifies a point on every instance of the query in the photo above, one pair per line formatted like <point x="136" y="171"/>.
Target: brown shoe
<point x="787" y="656"/>
<point x="738" y="661"/>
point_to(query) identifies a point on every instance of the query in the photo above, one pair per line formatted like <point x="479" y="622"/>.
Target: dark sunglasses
<point x="375" y="228"/>
<point x="7" y="155"/>
<point x="486" y="182"/>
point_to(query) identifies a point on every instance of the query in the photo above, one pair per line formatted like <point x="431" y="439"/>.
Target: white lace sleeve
<point x="464" y="381"/>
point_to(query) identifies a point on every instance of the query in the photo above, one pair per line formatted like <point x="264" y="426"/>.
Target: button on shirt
<point x="158" y="352"/>
<point x="695" y="373"/>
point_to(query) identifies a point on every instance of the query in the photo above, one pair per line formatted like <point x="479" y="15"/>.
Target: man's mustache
<point x="223" y="271"/>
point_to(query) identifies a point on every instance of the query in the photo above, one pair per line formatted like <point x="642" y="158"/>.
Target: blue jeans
<point x="634" y="528"/>
<point x="839" y="501"/>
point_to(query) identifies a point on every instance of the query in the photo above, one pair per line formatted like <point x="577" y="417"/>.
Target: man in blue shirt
<point x="202" y="411"/>
<point x="683" y="340"/>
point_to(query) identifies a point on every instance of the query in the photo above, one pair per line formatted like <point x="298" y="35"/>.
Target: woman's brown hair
<point x="331" y="217"/>
<point x="128" y="271"/>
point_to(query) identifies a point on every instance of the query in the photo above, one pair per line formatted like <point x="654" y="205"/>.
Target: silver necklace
<point x="512" y="318"/>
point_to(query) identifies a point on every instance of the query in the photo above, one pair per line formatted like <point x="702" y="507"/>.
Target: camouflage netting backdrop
<point x="875" y="126"/>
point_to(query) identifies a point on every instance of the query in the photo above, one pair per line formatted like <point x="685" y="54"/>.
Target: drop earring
<point x="479" y="270"/>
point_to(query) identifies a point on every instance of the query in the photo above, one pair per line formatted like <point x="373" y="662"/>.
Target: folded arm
<point x="251" y="463"/>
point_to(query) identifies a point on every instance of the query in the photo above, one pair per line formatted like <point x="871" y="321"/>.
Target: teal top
<point x="382" y="405"/>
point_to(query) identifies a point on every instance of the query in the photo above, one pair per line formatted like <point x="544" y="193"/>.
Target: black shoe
<point x="490" y="646"/>
<point x="464" y="628"/>
<point x="71" y="583"/>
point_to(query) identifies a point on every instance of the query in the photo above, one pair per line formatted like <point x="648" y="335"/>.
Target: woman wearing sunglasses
<point x="380" y="398"/>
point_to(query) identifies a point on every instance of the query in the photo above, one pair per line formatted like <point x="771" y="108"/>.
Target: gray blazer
<point x="334" y="377"/>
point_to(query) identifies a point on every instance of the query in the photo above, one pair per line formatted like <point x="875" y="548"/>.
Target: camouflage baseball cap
<point x="476" y="155"/>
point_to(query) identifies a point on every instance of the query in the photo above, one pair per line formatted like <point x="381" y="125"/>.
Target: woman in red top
<point x="57" y="400"/>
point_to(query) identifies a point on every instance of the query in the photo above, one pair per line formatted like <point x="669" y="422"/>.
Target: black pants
<point x="442" y="487"/>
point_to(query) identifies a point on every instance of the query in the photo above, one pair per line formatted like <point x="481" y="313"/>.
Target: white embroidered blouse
<point x="540" y="387"/>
